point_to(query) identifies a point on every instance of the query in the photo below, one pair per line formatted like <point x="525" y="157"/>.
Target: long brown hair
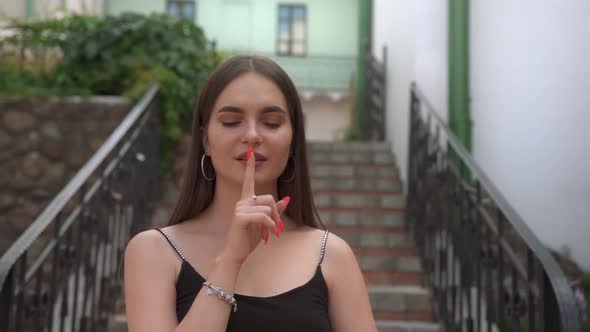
<point x="196" y="192"/>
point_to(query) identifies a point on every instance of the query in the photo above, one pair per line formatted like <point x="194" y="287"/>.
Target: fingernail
<point x="249" y="152"/>
<point x="287" y="199"/>
<point x="277" y="232"/>
<point x="281" y="225"/>
<point x="266" y="238"/>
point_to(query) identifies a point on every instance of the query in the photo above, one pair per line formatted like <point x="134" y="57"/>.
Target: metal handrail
<point x="555" y="290"/>
<point x="65" y="195"/>
<point x="375" y="103"/>
<point x="108" y="161"/>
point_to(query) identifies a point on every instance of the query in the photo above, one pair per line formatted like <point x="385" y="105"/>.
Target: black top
<point x="304" y="308"/>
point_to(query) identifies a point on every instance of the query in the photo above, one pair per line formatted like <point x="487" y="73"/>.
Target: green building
<point x="315" y="41"/>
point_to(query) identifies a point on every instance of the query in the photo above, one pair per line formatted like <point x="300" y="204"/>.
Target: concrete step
<point x="353" y="170"/>
<point x="390" y="263"/>
<point x="375" y="239"/>
<point x="385" y="252"/>
<point x="377" y="157"/>
<point x="401" y="303"/>
<point x="354" y="199"/>
<point x="368" y="229"/>
<point x="405" y="326"/>
<point x="360" y="184"/>
<point x="376" y="258"/>
<point x="396" y="278"/>
<point x="348" y="146"/>
<point x="361" y="216"/>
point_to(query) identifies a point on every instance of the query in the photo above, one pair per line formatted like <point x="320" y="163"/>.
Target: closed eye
<point x="268" y="124"/>
<point x="273" y="125"/>
<point x="230" y="124"/>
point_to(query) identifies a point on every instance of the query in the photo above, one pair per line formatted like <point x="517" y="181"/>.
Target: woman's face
<point x="251" y="110"/>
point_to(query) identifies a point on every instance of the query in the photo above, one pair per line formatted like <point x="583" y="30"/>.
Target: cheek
<point x="285" y="139"/>
<point x="284" y="145"/>
<point x="220" y="139"/>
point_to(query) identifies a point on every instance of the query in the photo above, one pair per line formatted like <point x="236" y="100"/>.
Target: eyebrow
<point x="235" y="109"/>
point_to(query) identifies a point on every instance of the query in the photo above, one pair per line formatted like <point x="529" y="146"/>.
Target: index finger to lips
<point x="248" y="185"/>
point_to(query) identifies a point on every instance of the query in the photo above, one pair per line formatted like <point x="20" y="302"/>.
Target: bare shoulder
<point x="338" y="250"/>
<point x="148" y="246"/>
<point x="150" y="240"/>
<point x="149" y="283"/>
<point x="338" y="258"/>
<point x="337" y="255"/>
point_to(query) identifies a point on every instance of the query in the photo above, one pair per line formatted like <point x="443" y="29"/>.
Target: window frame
<point x="180" y="4"/>
<point x="290" y="41"/>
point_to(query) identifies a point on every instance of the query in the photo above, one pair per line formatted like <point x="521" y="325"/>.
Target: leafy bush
<point x="121" y="55"/>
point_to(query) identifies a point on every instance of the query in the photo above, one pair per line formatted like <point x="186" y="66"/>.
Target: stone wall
<point x="43" y="143"/>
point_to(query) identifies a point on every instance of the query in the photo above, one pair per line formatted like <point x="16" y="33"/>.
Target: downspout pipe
<point x="30" y="9"/>
<point x="364" y="43"/>
<point x="459" y="95"/>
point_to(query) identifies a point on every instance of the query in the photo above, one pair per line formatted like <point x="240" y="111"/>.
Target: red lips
<point x="259" y="156"/>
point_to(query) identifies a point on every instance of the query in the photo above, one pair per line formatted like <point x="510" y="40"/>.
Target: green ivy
<point x="120" y="55"/>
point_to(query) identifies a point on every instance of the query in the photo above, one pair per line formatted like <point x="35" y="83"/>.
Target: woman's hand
<point x="255" y="217"/>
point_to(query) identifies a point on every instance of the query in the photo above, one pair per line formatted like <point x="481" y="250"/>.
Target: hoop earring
<point x="293" y="175"/>
<point x="203" y="169"/>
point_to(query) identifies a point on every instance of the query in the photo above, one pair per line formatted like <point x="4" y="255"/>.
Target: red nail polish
<point x="287" y="199"/>
<point x="277" y="232"/>
<point x="249" y="152"/>
<point x="281" y="225"/>
<point x="266" y="238"/>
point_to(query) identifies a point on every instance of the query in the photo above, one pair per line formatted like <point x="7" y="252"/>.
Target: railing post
<point x="367" y="124"/>
<point x="5" y="301"/>
<point x="384" y="95"/>
<point x="551" y="318"/>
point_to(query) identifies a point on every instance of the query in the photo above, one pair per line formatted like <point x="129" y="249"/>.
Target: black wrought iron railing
<point x="64" y="272"/>
<point x="375" y="95"/>
<point x="488" y="271"/>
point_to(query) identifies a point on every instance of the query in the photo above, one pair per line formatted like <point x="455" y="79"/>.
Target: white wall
<point x="85" y="6"/>
<point x="46" y="8"/>
<point x="432" y="53"/>
<point x="530" y="85"/>
<point x="530" y="91"/>
<point x="11" y="8"/>
<point x="416" y="36"/>
<point x="393" y="25"/>
<point x="49" y="8"/>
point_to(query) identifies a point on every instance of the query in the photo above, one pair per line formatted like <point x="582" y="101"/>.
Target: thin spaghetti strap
<point x="171" y="243"/>
<point x="323" y="251"/>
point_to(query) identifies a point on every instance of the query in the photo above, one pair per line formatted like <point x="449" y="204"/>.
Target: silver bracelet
<point x="221" y="294"/>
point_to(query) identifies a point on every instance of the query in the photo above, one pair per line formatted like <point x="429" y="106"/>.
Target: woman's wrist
<point x="224" y="274"/>
<point x="225" y="271"/>
<point x="227" y="261"/>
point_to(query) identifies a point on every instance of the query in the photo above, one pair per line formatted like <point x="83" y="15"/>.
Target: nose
<point x="252" y="136"/>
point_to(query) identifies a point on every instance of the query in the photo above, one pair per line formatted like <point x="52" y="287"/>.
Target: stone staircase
<point x="358" y="195"/>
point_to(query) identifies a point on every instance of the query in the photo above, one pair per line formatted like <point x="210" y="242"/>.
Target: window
<point x="292" y="30"/>
<point x="181" y="8"/>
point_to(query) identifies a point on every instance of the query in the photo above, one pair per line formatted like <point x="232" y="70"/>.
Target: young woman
<point x="245" y="249"/>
